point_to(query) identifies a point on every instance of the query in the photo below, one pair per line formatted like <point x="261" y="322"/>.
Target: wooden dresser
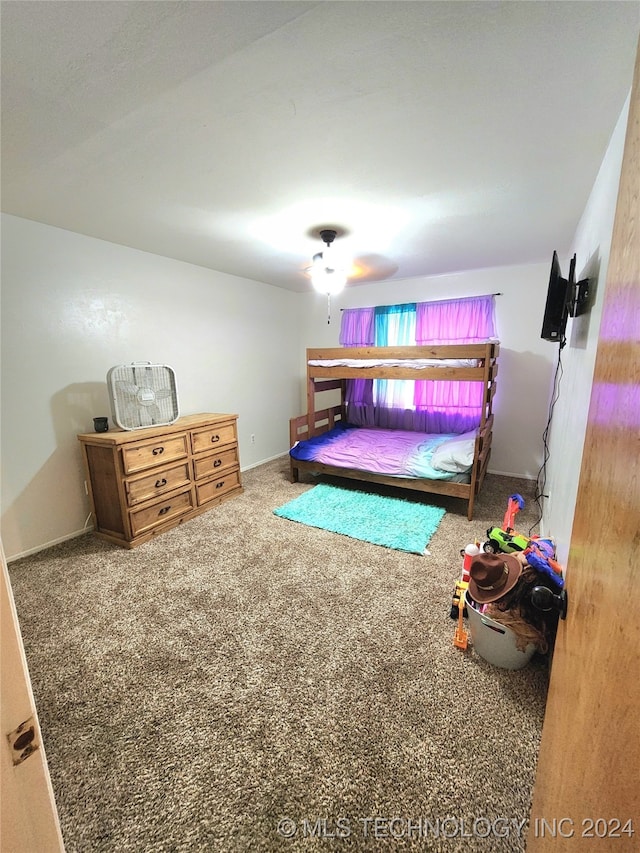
<point x="143" y="482"/>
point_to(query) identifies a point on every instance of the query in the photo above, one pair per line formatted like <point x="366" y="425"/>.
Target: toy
<point x="499" y="540"/>
<point x="514" y="505"/>
<point x="505" y="538"/>
<point x="460" y="637"/>
<point x="458" y="595"/>
<point x="540" y="554"/>
<point x="547" y="549"/>
<point x="468" y="553"/>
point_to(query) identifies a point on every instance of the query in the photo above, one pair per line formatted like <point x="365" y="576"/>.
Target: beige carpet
<point x="243" y="671"/>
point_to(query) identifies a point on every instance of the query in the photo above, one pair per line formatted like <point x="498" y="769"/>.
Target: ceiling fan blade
<point x="372" y="268"/>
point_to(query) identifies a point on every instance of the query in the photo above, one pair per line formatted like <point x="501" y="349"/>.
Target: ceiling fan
<point x="328" y="271"/>
<point x="334" y="266"/>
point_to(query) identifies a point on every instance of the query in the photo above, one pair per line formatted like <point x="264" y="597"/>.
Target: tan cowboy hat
<point x="493" y="575"/>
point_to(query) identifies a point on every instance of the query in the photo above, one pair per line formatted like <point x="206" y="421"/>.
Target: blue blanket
<point x="307" y="449"/>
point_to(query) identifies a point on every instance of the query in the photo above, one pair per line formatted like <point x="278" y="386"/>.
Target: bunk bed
<point x="328" y="369"/>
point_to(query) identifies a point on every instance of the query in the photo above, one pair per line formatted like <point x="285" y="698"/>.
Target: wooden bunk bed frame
<point x="325" y="378"/>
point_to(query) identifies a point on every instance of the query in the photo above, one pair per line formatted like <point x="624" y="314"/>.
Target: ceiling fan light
<point x="328" y="272"/>
<point x="327" y="280"/>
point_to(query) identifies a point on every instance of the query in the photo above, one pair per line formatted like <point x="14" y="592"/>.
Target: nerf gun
<point x="540" y="554"/>
<point x="514" y="505"/>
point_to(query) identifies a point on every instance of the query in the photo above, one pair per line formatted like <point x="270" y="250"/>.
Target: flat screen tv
<point x="557" y="306"/>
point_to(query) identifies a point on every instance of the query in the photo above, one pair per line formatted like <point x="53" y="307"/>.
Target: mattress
<point x="415" y="363"/>
<point x="392" y="452"/>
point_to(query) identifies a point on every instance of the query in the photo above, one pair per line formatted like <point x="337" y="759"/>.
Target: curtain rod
<point x="431" y="300"/>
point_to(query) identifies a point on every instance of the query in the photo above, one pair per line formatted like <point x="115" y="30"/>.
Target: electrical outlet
<point x="253" y="438"/>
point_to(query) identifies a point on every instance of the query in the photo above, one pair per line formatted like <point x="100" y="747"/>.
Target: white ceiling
<point x="436" y="136"/>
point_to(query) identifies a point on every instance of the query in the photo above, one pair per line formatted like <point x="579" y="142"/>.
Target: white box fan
<point x="142" y="395"/>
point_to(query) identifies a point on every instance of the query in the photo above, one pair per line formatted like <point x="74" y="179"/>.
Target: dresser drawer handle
<point x="161" y="483"/>
<point x="220" y="484"/>
<point x="157" y="451"/>
<point x="215" y="438"/>
<point x="217" y="463"/>
<point x="164" y="510"/>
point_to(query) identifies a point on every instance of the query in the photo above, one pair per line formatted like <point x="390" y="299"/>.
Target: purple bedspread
<point x="393" y="452"/>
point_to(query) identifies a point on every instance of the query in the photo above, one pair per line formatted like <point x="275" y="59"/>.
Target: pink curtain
<point x="456" y="321"/>
<point x="438" y="407"/>
<point x="452" y="406"/>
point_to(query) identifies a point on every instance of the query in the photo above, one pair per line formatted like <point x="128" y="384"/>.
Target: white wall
<point x="72" y="307"/>
<point x="592" y="244"/>
<point x="526" y="361"/>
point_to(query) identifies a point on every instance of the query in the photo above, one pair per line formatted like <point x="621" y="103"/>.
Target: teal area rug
<point x="392" y="522"/>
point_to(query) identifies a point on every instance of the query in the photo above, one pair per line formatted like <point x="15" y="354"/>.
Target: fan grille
<point x="142" y="394"/>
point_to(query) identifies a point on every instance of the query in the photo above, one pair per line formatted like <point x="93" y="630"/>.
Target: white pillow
<point x="455" y="455"/>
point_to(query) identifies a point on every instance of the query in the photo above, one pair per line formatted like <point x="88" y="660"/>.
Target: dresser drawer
<point x="156" y="484"/>
<point x="213" y="437"/>
<point x="214" y="463"/>
<point x="139" y="457"/>
<point x="152" y="516"/>
<point x="216" y="488"/>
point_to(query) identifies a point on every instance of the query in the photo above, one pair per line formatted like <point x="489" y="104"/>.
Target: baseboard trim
<point x="264" y="461"/>
<point x="84" y="530"/>
<point x="510" y="474"/>
<point x="50" y="544"/>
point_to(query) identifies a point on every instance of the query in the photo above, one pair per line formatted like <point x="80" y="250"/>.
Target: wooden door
<point x="587" y="790"/>
<point x="29" y="817"/>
